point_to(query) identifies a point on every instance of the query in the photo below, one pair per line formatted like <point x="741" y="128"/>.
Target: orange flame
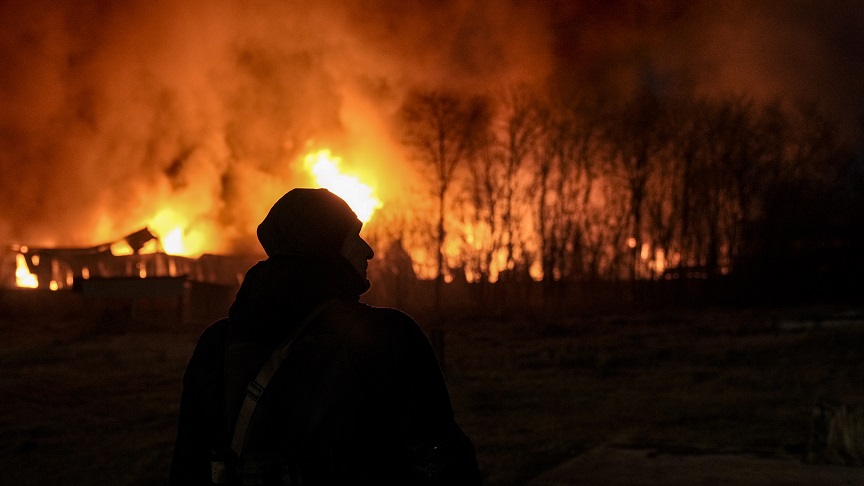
<point x="175" y="234"/>
<point x="23" y="277"/>
<point x="178" y="233"/>
<point x="360" y="196"/>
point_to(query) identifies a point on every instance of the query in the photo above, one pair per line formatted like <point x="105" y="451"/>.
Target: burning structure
<point x="144" y="254"/>
<point x="137" y="255"/>
<point x="144" y="275"/>
<point x="133" y="277"/>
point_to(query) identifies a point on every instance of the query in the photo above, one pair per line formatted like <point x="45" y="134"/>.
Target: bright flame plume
<point x="173" y="242"/>
<point x="360" y="196"/>
<point x="23" y="277"/>
<point x="176" y="235"/>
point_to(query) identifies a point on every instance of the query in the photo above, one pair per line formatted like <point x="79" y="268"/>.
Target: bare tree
<point x="638" y="133"/>
<point x="443" y="131"/>
<point x="518" y="133"/>
<point x="482" y="212"/>
<point x="567" y="164"/>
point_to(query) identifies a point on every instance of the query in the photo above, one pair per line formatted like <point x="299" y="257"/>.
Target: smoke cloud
<point x="115" y="111"/>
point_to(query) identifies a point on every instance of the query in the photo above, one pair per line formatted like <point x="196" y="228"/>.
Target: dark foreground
<point x="707" y="397"/>
<point x="654" y="467"/>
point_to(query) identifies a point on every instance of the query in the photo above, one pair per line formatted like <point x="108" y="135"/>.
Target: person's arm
<point x="439" y="451"/>
<point x="190" y="463"/>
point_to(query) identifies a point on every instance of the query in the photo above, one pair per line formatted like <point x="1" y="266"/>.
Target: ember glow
<point x="121" y="248"/>
<point x="361" y="197"/>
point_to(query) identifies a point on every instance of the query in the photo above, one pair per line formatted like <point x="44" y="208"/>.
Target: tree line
<point x="647" y="186"/>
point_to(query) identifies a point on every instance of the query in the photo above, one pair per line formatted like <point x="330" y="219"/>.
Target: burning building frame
<point x="136" y="255"/>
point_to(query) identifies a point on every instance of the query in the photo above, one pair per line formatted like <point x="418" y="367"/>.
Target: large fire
<point x="361" y="197"/>
<point x="178" y="237"/>
<point x="176" y="233"/>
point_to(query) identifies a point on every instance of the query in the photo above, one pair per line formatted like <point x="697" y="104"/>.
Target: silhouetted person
<point x="396" y="272"/>
<point x="359" y="398"/>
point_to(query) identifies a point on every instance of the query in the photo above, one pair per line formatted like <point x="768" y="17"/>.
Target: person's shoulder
<point x="381" y="325"/>
<point x="212" y="338"/>
<point x="382" y="341"/>
<point x="215" y="331"/>
<point x="381" y="317"/>
<point x="208" y="351"/>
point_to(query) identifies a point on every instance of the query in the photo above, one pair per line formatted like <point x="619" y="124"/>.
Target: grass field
<point x="96" y="404"/>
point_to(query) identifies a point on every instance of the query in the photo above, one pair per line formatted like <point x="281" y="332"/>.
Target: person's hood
<point x="307" y="222"/>
<point x="277" y="293"/>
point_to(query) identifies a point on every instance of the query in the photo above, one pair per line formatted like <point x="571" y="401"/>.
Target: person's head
<point x="314" y="222"/>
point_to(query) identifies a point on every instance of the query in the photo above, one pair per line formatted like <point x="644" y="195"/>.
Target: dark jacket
<point x="359" y="400"/>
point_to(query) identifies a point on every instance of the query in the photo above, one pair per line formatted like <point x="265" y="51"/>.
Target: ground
<point x="671" y="397"/>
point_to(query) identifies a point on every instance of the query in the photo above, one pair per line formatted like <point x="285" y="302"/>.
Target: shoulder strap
<point x="256" y="387"/>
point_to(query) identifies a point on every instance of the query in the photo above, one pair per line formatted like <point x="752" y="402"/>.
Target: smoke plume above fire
<point x="115" y="112"/>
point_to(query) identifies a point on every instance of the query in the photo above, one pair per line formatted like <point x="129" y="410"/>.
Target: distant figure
<point x="304" y="385"/>
<point x="397" y="273"/>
